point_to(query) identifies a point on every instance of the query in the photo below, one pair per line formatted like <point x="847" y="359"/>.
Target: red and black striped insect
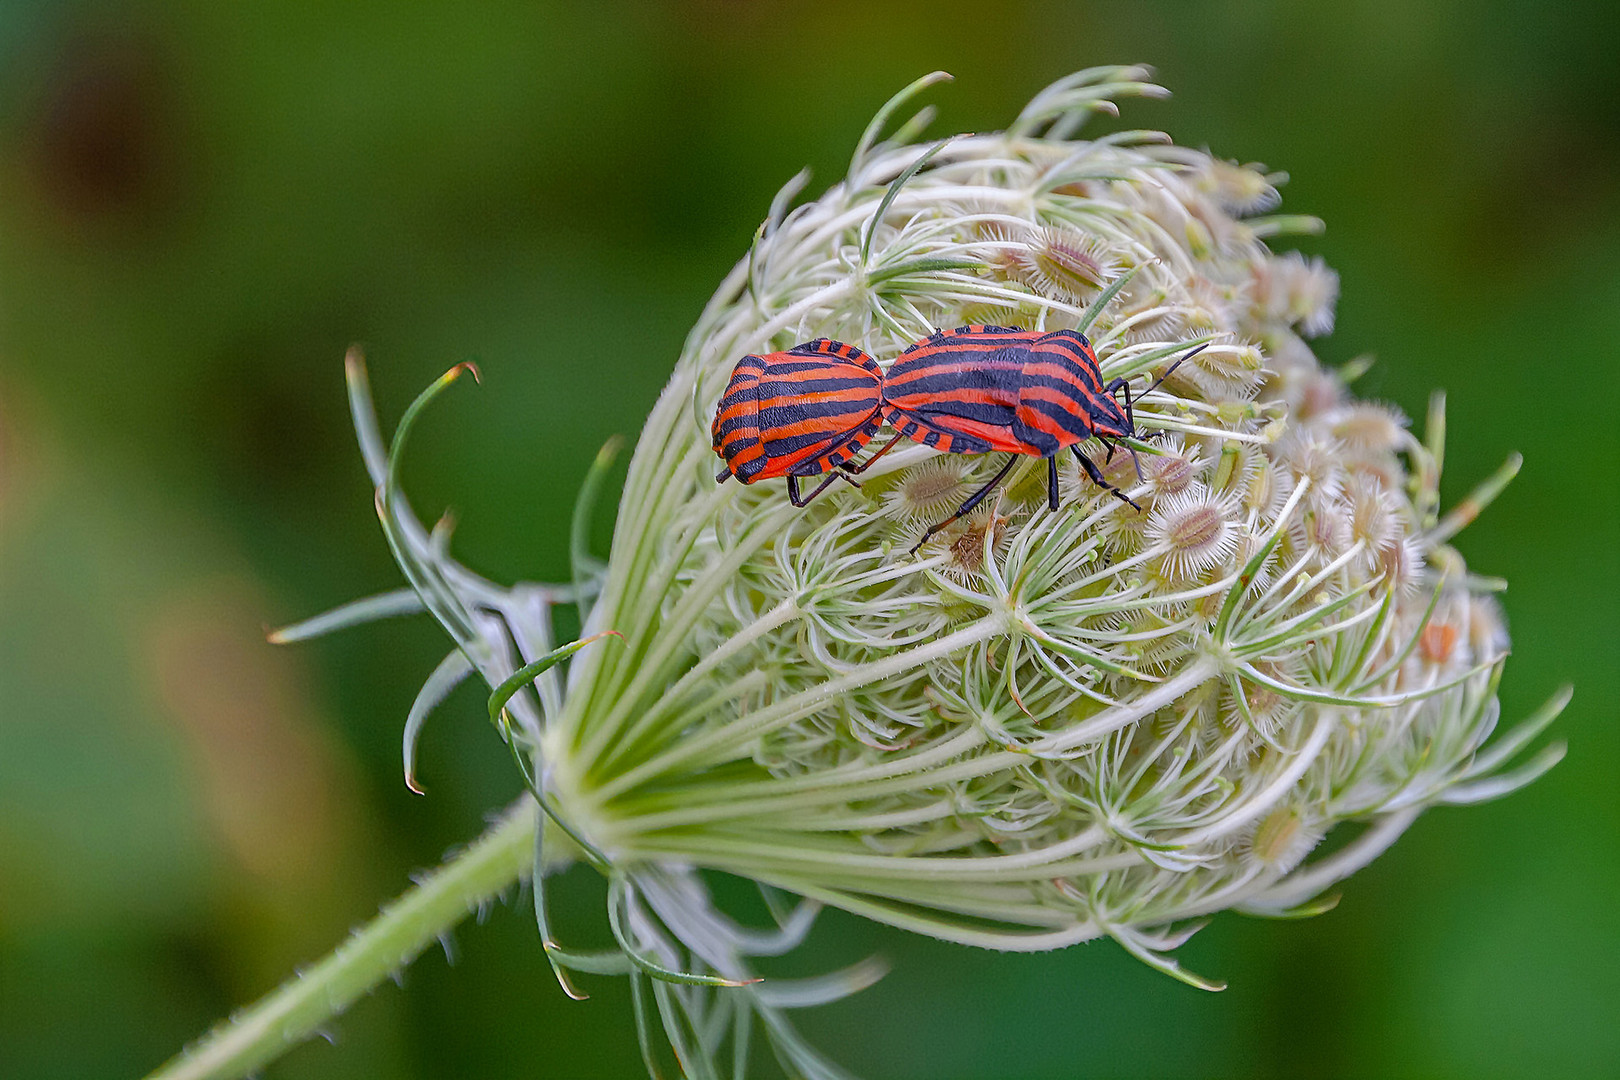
<point x="799" y="413"/>
<point x="978" y="389"/>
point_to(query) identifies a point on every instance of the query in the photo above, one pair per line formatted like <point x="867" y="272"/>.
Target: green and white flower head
<point x="1044" y="727"/>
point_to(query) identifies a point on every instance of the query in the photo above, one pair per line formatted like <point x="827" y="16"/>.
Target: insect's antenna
<point x="1173" y="367"/>
<point x="1135" y="461"/>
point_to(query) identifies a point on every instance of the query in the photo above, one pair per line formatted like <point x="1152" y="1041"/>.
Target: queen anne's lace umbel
<point x="1045" y="726"/>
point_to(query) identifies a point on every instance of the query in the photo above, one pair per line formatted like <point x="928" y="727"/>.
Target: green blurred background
<point x="202" y="205"/>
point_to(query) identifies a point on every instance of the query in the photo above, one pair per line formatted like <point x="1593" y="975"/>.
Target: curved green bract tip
<point x="581" y="563"/>
<point x="369" y="609"/>
<point x="1099" y="305"/>
<point x="870" y="136"/>
<point x="406" y="422"/>
<point x="889" y="196"/>
<point x="445" y="678"/>
<point x="1308" y="910"/>
<point x="617" y="897"/>
<point x="526" y="674"/>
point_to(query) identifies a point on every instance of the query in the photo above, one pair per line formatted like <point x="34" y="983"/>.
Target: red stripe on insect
<point x="1052" y="380"/>
<point x="780" y="417"/>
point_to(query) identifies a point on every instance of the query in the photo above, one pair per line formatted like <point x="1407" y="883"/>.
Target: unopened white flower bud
<point x="1367" y="427"/>
<point x="1193" y="531"/>
<point x="1298" y="292"/>
<point x="1066" y="264"/>
<point x="1239" y="189"/>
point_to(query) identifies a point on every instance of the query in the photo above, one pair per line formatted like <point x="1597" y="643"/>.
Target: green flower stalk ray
<point x="1043" y="727"/>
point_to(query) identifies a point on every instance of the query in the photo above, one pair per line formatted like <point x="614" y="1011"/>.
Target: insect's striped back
<point x="799" y="412"/>
<point x="1061" y="392"/>
<point x="982" y="388"/>
<point x="957" y="391"/>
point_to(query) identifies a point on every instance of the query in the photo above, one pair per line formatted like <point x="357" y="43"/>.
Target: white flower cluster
<point x="1044" y="726"/>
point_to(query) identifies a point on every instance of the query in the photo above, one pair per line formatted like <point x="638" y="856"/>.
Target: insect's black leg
<point x="1123" y="384"/>
<point x="978" y="496"/>
<point x="1097" y="478"/>
<point x="858" y="469"/>
<point x="720" y="477"/>
<point x="793" y="490"/>
<point x="973" y="500"/>
<point x="1051" y="483"/>
<point x="1104" y="440"/>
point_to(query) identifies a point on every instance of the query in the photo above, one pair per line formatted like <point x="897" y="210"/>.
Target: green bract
<point x="1044" y="727"/>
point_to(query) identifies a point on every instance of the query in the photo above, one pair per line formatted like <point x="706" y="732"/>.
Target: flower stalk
<point x="303" y="1006"/>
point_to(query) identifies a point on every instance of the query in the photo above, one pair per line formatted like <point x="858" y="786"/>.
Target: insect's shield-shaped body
<point x="981" y="388"/>
<point x="799" y="412"/>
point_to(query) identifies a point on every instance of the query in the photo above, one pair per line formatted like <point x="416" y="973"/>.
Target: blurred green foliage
<point x="205" y="204"/>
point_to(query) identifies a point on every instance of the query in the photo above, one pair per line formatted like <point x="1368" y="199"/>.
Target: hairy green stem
<point x="298" y="1008"/>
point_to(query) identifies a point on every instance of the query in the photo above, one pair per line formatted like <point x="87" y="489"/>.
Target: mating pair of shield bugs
<point x="973" y="390"/>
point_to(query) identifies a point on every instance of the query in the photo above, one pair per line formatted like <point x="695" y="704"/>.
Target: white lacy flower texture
<point x="1044" y="726"/>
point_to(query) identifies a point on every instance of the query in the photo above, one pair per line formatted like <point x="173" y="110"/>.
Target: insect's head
<point x="1110" y="417"/>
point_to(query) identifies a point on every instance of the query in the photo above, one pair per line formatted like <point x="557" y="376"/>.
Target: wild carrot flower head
<point x="1044" y="726"/>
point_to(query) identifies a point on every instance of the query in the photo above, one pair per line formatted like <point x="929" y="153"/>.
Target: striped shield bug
<point x="799" y="413"/>
<point x="978" y="389"/>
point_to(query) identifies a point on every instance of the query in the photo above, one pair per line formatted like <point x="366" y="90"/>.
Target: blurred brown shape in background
<point x="102" y="137"/>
